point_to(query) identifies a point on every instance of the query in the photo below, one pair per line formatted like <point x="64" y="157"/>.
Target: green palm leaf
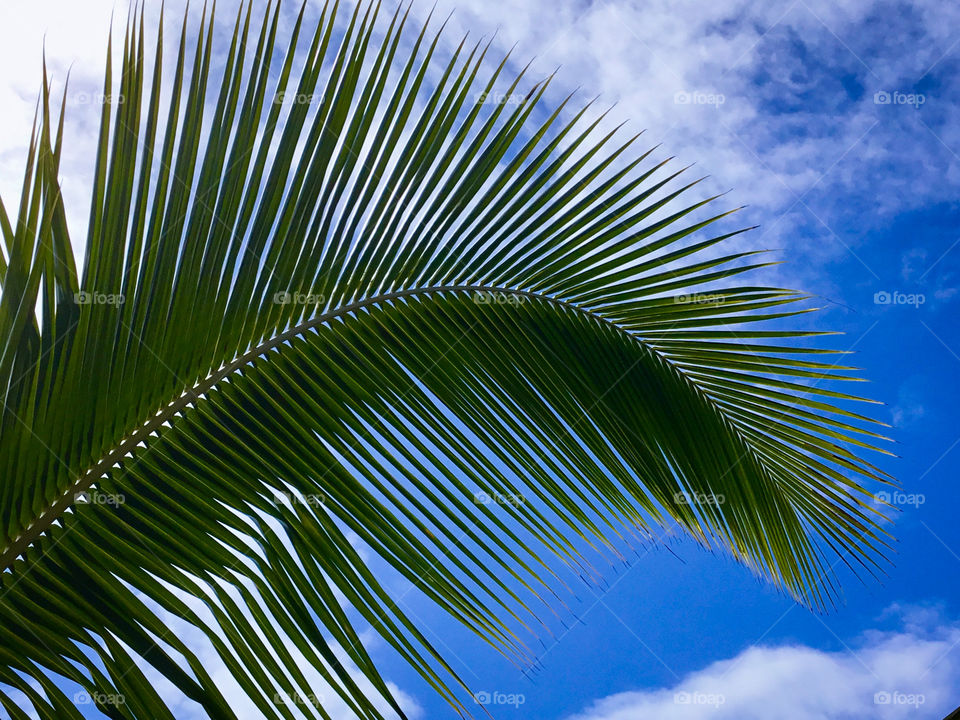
<point x="339" y="298"/>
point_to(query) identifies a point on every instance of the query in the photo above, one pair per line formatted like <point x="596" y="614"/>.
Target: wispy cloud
<point x="907" y="673"/>
<point x="803" y="107"/>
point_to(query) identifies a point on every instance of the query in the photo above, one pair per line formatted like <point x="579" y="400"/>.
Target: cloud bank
<point x="885" y="675"/>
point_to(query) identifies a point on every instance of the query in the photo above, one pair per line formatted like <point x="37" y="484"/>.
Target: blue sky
<point x="837" y="124"/>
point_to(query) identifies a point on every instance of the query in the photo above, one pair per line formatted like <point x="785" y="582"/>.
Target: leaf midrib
<point x="53" y="511"/>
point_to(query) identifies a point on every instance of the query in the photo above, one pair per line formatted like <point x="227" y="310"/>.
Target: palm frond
<point x="329" y="292"/>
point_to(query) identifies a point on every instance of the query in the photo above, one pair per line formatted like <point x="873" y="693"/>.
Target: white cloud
<point x="74" y="35"/>
<point x="810" y="154"/>
<point x="73" y="38"/>
<point x="786" y="124"/>
<point x="913" y="672"/>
